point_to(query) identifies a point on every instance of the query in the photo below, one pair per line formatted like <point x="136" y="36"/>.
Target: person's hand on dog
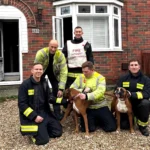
<point x="82" y="96"/>
<point x="87" y="89"/>
<point x="60" y="93"/>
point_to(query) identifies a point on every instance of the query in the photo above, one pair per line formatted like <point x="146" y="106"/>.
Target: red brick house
<point x="117" y="29"/>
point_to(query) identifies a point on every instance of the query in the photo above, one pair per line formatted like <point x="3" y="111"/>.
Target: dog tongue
<point x="117" y="95"/>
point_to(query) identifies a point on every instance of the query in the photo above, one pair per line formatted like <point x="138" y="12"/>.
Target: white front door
<point x="1" y="53"/>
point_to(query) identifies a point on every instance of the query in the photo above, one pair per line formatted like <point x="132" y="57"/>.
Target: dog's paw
<point x="117" y="131"/>
<point x="76" y="131"/>
<point x="87" y="136"/>
<point x="132" y="132"/>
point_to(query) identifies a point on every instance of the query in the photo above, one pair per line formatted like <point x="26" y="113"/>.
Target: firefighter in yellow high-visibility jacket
<point x="92" y="86"/>
<point x="54" y="65"/>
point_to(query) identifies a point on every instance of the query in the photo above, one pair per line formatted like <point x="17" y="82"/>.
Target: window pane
<point x="58" y="31"/>
<point x="115" y="11"/>
<point x="84" y="9"/>
<point x="65" y="10"/>
<point x="101" y="9"/>
<point x="100" y="32"/>
<point x="86" y="25"/>
<point x="95" y="30"/>
<point x="116" y="37"/>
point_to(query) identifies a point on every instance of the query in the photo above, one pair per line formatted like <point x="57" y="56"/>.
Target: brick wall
<point x="39" y="40"/>
<point x="135" y="35"/>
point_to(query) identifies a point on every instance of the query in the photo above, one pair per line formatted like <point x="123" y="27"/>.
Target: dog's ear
<point x="116" y="90"/>
<point x="128" y="94"/>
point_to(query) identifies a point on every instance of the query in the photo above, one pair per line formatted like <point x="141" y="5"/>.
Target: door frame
<point x="20" y="54"/>
<point x="2" y="51"/>
<point x="13" y="13"/>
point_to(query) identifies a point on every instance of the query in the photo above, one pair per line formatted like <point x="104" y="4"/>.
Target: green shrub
<point x="13" y="97"/>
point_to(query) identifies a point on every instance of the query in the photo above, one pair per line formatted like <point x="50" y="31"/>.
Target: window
<point x="58" y="30"/>
<point x="95" y="30"/>
<point x="101" y="9"/>
<point x="116" y="26"/>
<point x="115" y="10"/>
<point x="101" y="27"/>
<point x="101" y="23"/>
<point x="116" y="37"/>
<point x="65" y="10"/>
<point x="84" y="9"/>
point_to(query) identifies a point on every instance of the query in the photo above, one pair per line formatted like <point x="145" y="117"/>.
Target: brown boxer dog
<point x="79" y="108"/>
<point x="122" y="104"/>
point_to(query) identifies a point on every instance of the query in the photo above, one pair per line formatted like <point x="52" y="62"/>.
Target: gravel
<point x="11" y="139"/>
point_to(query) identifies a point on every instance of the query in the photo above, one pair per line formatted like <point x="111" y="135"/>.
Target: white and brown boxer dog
<point x="78" y="106"/>
<point x="122" y="104"/>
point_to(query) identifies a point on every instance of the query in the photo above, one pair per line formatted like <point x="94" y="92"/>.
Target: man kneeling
<point x="36" y="117"/>
<point x="93" y="86"/>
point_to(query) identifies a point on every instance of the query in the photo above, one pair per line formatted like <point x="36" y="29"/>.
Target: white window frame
<point x="110" y="6"/>
<point x="118" y="17"/>
<point x="59" y="32"/>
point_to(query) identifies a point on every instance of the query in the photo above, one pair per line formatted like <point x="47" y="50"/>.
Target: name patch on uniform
<point x="126" y="84"/>
<point x="31" y="92"/>
<point x="139" y="86"/>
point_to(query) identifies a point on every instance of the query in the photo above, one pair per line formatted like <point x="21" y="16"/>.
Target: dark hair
<point x="88" y="64"/>
<point x="78" y="27"/>
<point x="133" y="60"/>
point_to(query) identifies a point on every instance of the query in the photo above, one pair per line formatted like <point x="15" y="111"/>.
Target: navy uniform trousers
<point x="49" y="128"/>
<point x="101" y="117"/>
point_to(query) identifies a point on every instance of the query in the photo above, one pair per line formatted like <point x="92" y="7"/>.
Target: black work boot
<point x="144" y="130"/>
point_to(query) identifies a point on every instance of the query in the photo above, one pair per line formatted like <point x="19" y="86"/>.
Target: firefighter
<point x="36" y="117"/>
<point x="139" y="87"/>
<point x="54" y="63"/>
<point x="93" y="85"/>
<point x="76" y="51"/>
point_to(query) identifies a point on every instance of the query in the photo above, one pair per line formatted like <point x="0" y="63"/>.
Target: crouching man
<point x="36" y="117"/>
<point x="139" y="87"/>
<point x="93" y="86"/>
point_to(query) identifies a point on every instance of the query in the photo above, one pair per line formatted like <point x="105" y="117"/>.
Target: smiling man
<point x="55" y="67"/>
<point x="92" y="86"/>
<point x="139" y="87"/>
<point x="77" y="51"/>
<point x="36" y="117"/>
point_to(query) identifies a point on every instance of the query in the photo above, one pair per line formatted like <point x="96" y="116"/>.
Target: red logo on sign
<point x="84" y="80"/>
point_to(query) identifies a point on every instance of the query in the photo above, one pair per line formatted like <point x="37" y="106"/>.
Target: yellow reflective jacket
<point x="59" y="64"/>
<point x="97" y="85"/>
